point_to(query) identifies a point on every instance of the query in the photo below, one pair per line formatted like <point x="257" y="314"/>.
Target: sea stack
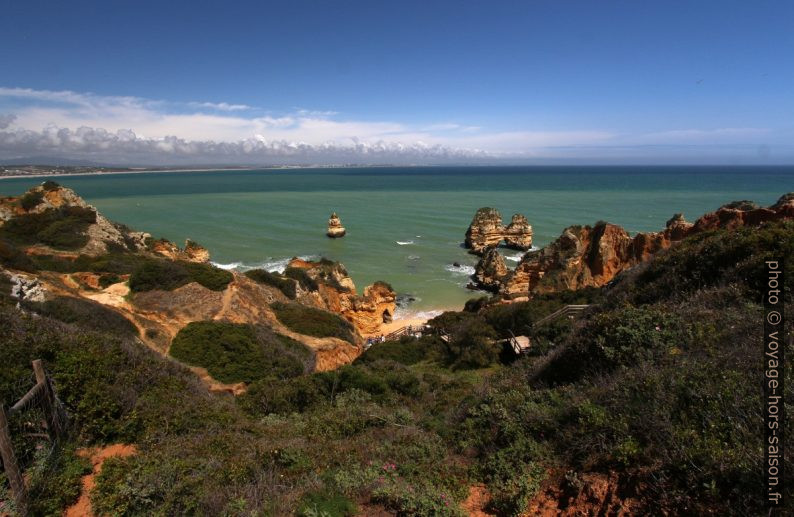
<point x="487" y="231"/>
<point x="335" y="228"/>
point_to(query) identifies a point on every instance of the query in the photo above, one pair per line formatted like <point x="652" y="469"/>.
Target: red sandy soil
<point x="476" y="502"/>
<point x="82" y="508"/>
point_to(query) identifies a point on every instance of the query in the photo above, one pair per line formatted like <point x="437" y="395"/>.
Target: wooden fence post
<point x="11" y="466"/>
<point x="47" y="400"/>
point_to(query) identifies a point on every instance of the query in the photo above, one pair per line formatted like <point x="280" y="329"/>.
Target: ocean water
<point x="404" y="225"/>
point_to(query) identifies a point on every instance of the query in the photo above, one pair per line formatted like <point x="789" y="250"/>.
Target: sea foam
<point x="460" y="270"/>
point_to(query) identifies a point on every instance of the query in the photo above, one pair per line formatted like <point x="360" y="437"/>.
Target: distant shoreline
<point x="147" y="171"/>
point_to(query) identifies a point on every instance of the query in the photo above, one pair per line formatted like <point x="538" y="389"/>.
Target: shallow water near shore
<point x="404" y="225"/>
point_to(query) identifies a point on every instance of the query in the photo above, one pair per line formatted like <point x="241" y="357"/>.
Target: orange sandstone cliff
<point x="591" y="256"/>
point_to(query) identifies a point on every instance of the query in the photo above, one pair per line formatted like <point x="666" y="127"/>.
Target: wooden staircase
<point x="568" y="310"/>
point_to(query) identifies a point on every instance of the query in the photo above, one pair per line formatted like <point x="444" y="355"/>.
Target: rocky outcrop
<point x="335" y="228"/>
<point x="487" y="231"/>
<point x="518" y="234"/>
<point x="591" y="256"/>
<point x="491" y="270"/>
<point x="336" y="292"/>
<point x="103" y="235"/>
<point x="192" y="252"/>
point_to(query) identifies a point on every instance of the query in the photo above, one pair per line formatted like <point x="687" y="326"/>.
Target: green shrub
<point x="55" y="481"/>
<point x="294" y="395"/>
<point x="159" y="274"/>
<point x="211" y="277"/>
<point x="168" y="275"/>
<point x="324" y="504"/>
<point x="621" y="338"/>
<point x="109" y="279"/>
<point x="313" y="322"/>
<point x="50" y="185"/>
<point x="234" y="352"/>
<point x="62" y="227"/>
<point x="302" y="277"/>
<point x="285" y="285"/>
<point x="714" y="259"/>
<point x="31" y="200"/>
<point x="407" y="350"/>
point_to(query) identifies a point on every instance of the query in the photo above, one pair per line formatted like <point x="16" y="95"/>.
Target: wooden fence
<point x="41" y="395"/>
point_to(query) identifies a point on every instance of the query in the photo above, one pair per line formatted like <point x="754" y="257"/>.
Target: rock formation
<point x="491" y="270"/>
<point x="102" y="234"/>
<point x="585" y="256"/>
<point x="487" y="231"/>
<point x="192" y="252"/>
<point x="518" y="234"/>
<point x="337" y="293"/>
<point x="335" y="228"/>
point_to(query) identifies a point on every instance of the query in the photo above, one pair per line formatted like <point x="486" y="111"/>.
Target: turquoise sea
<point x="405" y="224"/>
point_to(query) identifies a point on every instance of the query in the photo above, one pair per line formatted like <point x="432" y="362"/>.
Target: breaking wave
<point x="271" y="264"/>
<point x="460" y="270"/>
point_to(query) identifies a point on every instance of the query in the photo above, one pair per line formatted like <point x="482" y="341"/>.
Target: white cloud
<point x="221" y="106"/>
<point x="118" y="129"/>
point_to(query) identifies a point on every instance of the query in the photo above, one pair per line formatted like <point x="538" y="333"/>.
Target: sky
<point x="374" y="82"/>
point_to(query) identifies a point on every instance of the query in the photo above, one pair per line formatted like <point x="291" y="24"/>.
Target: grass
<point x="234" y="352"/>
<point x="313" y="322"/>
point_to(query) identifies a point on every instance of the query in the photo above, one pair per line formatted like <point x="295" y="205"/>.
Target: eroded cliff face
<point x="591" y="256"/>
<point x="337" y="293"/>
<point x="487" y="231"/>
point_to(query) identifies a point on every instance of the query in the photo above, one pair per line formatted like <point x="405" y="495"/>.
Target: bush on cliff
<point x="302" y="277"/>
<point x="233" y="352"/>
<point x="168" y="275"/>
<point x="714" y="259"/>
<point x="31" y="200"/>
<point x="285" y="285"/>
<point x="313" y="322"/>
<point x="62" y="228"/>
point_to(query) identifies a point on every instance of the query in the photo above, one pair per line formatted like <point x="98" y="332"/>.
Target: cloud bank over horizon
<point x="121" y="130"/>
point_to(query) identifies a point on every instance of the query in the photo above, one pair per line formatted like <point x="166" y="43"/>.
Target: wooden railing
<point x="408" y="330"/>
<point x="565" y="311"/>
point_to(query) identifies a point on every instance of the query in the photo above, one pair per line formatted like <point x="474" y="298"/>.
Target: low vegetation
<point x="313" y="322"/>
<point x="61" y="228"/>
<point x="168" y="275"/>
<point x="234" y="352"/>
<point x="287" y="286"/>
<point x="84" y="313"/>
<point x="657" y="386"/>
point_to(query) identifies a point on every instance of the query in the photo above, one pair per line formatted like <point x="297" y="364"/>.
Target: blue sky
<point x="410" y="82"/>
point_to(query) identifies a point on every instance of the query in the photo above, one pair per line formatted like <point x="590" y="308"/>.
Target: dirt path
<point x="475" y="503"/>
<point x="82" y="508"/>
